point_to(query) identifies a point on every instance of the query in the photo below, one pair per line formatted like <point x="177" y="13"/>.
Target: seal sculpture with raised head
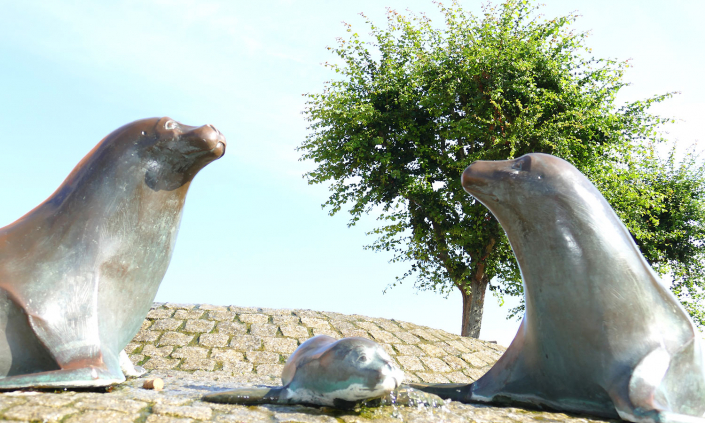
<point x="601" y="334"/>
<point x="328" y="372"/>
<point x="79" y="272"/>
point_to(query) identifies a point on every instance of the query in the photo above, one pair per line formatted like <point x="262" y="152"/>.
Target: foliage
<point x="416" y="104"/>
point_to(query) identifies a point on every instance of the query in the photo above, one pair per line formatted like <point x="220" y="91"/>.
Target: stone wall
<point x="255" y="341"/>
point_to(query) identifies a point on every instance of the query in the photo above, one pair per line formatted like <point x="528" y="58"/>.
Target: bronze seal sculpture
<point x="601" y="334"/>
<point x="79" y="272"/>
<point x="328" y="372"/>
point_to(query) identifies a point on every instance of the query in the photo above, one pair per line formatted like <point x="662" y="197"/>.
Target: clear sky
<point x="253" y="232"/>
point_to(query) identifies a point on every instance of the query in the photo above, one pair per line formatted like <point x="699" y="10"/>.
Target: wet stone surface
<point x="199" y="349"/>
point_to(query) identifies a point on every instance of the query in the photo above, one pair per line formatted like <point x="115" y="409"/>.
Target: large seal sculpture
<point x="79" y="272"/>
<point x="327" y="372"/>
<point x="601" y="335"/>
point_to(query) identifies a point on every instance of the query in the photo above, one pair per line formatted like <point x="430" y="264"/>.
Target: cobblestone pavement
<point x="198" y="349"/>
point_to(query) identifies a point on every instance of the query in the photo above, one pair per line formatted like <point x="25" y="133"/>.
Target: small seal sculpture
<point x="79" y="272"/>
<point x="601" y="335"/>
<point x="326" y="372"/>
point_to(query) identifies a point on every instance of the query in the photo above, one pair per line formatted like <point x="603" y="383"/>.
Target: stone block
<point x="324" y="331"/>
<point x="454" y="362"/>
<point x="384" y="337"/>
<point x="166" y="324"/>
<point x="159" y="313"/>
<point x="425" y="335"/>
<point x="262" y="357"/>
<point x="315" y="323"/>
<point x="448" y="348"/>
<point x="199" y="326"/>
<point x="161" y="363"/>
<point x="388" y="325"/>
<point x="38" y="413"/>
<point x="309" y="314"/>
<point x="458" y="377"/>
<point x="409" y="363"/>
<point x="244" y="310"/>
<point x="177" y="306"/>
<point x="175" y="338"/>
<point x="342" y="325"/>
<point x="459" y="346"/>
<point x="152" y="351"/>
<point x="226" y="354"/>
<point x="211" y="307"/>
<point x="359" y="332"/>
<point x="435" y="364"/>
<point x="146" y="336"/>
<point x="432" y="350"/>
<point x="192" y="412"/>
<point x="221" y="316"/>
<point x="257" y="329"/>
<point x="238" y="367"/>
<point x="259" y="319"/>
<point x="213" y="339"/>
<point x="131" y="347"/>
<point x="274" y="370"/>
<point x="368" y="326"/>
<point x="294" y="331"/>
<point x="188" y="314"/>
<point x="280" y="345"/>
<point x="105" y="402"/>
<point x="409" y="350"/>
<point x="156" y="418"/>
<point x="388" y="348"/>
<point x="190" y="352"/>
<point x="231" y="328"/>
<point x="285" y="320"/>
<point x="473" y="373"/>
<point x="193" y="363"/>
<point x="432" y="377"/>
<point x="94" y="416"/>
<point x="407" y="337"/>
<point x="246" y="343"/>
<point x="476" y="360"/>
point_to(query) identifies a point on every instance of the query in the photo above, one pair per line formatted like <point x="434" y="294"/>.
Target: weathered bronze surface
<point x="601" y="334"/>
<point x="326" y="371"/>
<point x="78" y="273"/>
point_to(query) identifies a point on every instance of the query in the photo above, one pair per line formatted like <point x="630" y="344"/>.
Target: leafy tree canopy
<point x="415" y="104"/>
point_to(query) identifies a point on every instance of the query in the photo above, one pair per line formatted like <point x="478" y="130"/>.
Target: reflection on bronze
<point x="601" y="334"/>
<point x="78" y="273"/>
<point x="323" y="371"/>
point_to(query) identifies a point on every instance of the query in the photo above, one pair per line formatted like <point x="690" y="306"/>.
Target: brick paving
<point x="198" y="349"/>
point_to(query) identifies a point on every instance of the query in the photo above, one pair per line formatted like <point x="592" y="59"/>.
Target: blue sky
<point x="253" y="232"/>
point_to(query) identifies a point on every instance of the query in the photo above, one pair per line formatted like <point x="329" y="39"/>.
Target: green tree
<point x="416" y="104"/>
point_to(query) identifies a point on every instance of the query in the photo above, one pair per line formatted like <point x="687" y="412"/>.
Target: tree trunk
<point x="473" y="304"/>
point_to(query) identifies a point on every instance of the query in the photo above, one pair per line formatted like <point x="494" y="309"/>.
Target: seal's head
<point x="351" y="369"/>
<point x="526" y="190"/>
<point x="176" y="152"/>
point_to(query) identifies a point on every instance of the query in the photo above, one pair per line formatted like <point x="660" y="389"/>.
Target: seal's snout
<point x="474" y="176"/>
<point x="211" y="138"/>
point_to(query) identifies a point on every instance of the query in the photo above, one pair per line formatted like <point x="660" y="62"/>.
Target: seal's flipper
<point x="73" y="378"/>
<point x="129" y="368"/>
<point x="248" y="396"/>
<point x="453" y="391"/>
<point x="664" y="387"/>
<point x="21" y="352"/>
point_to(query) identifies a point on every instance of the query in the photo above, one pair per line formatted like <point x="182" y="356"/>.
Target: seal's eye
<point x="522" y="163"/>
<point x="170" y="124"/>
<point x="362" y="359"/>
